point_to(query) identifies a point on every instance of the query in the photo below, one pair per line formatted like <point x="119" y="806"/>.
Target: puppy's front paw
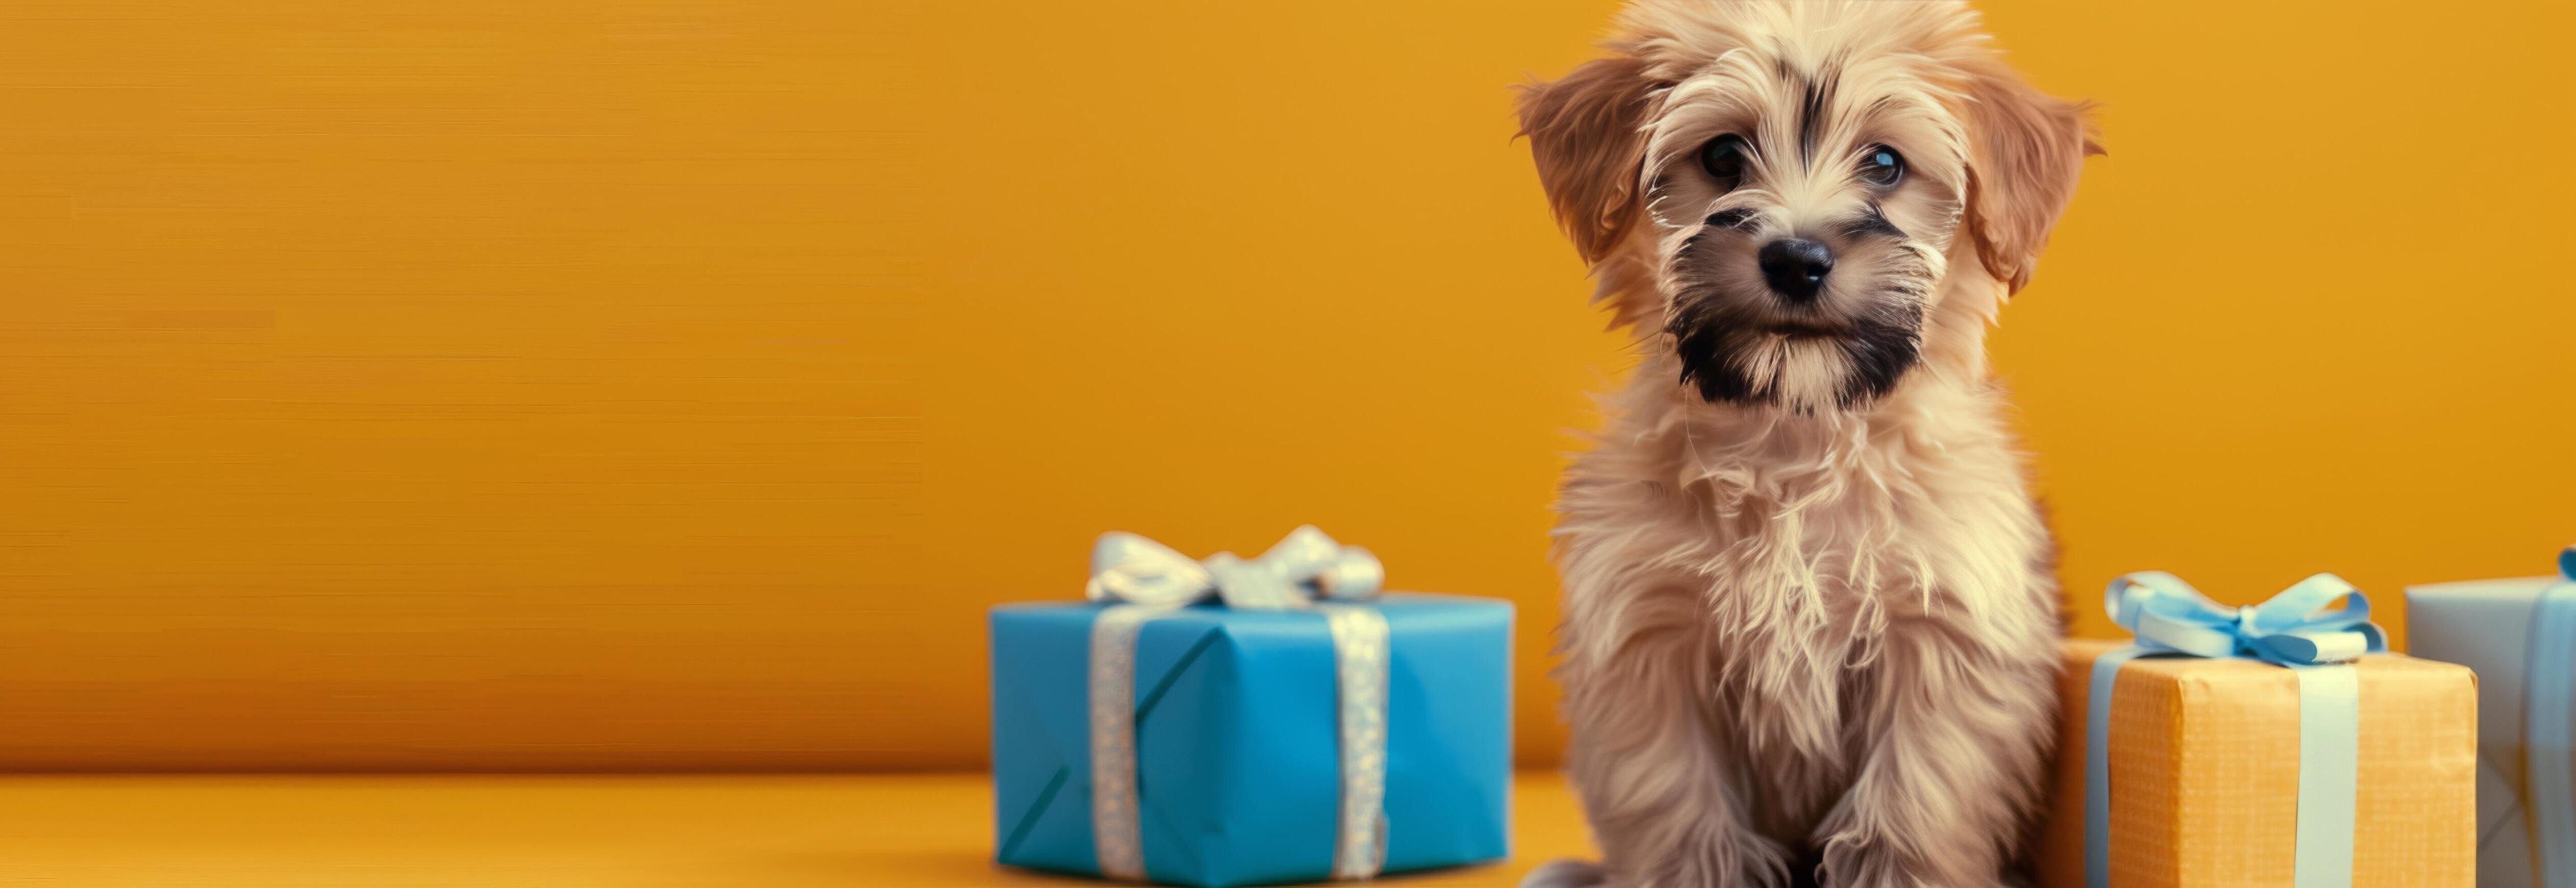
<point x="1856" y="860"/>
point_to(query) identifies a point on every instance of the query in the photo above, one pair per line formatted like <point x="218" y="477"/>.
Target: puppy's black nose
<point x="1796" y="267"/>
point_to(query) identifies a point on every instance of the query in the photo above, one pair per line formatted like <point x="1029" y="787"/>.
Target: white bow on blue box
<point x="1232" y="721"/>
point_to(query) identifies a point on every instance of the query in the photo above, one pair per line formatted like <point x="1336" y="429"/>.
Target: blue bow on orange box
<point x="2292" y="628"/>
<point x="2298" y="629"/>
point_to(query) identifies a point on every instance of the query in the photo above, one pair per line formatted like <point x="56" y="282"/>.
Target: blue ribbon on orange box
<point x="2295" y="629"/>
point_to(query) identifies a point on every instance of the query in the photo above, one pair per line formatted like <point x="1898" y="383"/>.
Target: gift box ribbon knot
<point x="1307" y="570"/>
<point x="2295" y="629"/>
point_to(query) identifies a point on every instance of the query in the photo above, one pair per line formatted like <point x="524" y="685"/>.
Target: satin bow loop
<point x="1301" y="568"/>
<point x="2297" y="627"/>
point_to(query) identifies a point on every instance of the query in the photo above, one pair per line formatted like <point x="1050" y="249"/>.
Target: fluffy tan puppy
<point x="1810" y="628"/>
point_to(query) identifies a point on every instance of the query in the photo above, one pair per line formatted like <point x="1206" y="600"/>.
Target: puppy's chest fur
<point x="1789" y="549"/>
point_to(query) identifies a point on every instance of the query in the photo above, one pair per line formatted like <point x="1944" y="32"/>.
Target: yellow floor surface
<point x="565" y="831"/>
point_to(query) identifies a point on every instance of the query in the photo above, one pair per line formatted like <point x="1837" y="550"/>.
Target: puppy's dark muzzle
<point x="1795" y="268"/>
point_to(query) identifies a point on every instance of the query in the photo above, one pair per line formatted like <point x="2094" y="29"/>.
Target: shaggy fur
<point x="1809" y="624"/>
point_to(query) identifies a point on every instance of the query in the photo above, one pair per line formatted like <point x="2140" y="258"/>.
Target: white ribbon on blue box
<point x="1234" y="721"/>
<point x="2520" y="637"/>
<point x="2295" y="629"/>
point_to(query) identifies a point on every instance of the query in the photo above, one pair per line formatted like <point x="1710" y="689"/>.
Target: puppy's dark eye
<point x="1882" y="166"/>
<point x="1724" y="157"/>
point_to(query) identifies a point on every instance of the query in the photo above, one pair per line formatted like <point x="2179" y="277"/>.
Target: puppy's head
<point x="1788" y="191"/>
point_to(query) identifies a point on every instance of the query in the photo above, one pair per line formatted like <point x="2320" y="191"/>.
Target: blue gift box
<point x="1237" y="742"/>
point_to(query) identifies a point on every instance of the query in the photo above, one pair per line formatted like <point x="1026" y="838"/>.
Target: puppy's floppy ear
<point x="2024" y="151"/>
<point x="1584" y="132"/>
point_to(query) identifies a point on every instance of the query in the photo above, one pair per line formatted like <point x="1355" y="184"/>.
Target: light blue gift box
<point x="1238" y="740"/>
<point x="2520" y="637"/>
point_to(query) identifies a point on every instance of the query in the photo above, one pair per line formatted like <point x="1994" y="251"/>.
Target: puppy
<point x="1810" y="629"/>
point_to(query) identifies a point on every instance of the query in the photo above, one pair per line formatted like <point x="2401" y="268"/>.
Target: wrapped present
<point x="2520" y="636"/>
<point x="2271" y="745"/>
<point x="1246" y="722"/>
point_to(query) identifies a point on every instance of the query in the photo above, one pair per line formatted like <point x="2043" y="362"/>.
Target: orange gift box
<point x="2204" y="759"/>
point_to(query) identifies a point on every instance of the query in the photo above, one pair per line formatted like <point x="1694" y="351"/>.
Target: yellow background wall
<point x="673" y="384"/>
